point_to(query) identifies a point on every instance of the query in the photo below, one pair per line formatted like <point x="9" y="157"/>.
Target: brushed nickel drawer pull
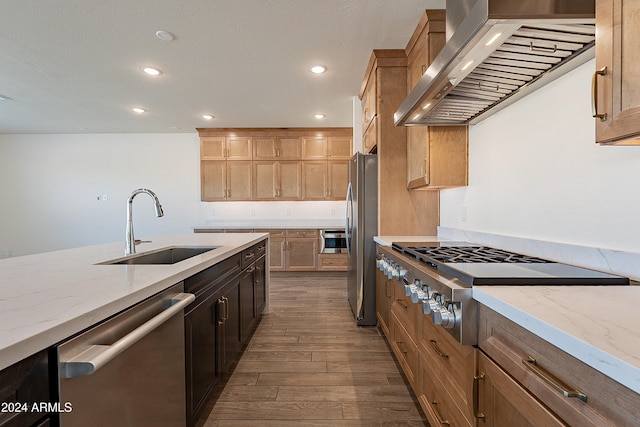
<point x="401" y="303"/>
<point x="533" y="48"/>
<point x="594" y="95"/>
<point x="434" y="346"/>
<point x="441" y="420"/>
<point x="547" y="377"/>
<point x="476" y="381"/>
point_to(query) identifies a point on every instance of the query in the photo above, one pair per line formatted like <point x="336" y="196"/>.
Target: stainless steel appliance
<point x="333" y="241"/>
<point x="361" y="226"/>
<point x="498" y="51"/>
<point x="440" y="277"/>
<point x="130" y="369"/>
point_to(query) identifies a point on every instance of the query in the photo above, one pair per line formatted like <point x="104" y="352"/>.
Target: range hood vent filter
<point x="501" y="61"/>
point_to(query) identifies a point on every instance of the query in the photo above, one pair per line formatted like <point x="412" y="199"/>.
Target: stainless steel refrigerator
<point x="361" y="226"/>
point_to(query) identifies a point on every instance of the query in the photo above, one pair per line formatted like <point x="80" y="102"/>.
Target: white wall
<point x="49" y="185"/>
<point x="535" y="171"/>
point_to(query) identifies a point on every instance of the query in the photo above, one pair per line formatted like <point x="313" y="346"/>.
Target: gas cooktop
<point x="482" y="265"/>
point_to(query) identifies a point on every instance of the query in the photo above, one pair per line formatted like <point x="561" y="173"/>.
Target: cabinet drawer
<point x="439" y="406"/>
<point x="510" y="346"/>
<point x="408" y="313"/>
<point x="455" y="363"/>
<point x="405" y="350"/>
<point x="273" y="232"/>
<point x="333" y="262"/>
<point x="301" y="232"/>
<point x="253" y="253"/>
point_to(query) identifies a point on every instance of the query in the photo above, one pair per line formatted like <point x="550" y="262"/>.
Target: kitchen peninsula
<point x="50" y="296"/>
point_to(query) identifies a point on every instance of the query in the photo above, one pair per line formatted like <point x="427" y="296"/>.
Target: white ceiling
<point x="73" y="66"/>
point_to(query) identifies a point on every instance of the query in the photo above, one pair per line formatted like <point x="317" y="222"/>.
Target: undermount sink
<point x="163" y="256"/>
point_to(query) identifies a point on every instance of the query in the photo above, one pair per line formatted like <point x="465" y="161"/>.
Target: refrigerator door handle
<point x="348" y="229"/>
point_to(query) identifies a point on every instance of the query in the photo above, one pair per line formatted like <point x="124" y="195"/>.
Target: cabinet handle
<point x="476" y="381"/>
<point x="249" y="255"/>
<point x="594" y="94"/>
<point x="434" y="346"/>
<point x="366" y="114"/>
<point x="226" y="308"/>
<point x="424" y="69"/>
<point x="220" y="304"/>
<point x="546" y="376"/>
<point x="441" y="420"/>
<point x="401" y="347"/>
<point x="401" y="303"/>
<point x="251" y="269"/>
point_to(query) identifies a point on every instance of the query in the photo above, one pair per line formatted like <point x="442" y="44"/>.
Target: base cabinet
<point x="230" y="298"/>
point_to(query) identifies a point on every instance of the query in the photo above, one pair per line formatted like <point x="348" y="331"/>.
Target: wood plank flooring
<point x="308" y="364"/>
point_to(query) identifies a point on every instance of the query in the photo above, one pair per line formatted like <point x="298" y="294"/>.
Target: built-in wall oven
<point x="333" y="241"/>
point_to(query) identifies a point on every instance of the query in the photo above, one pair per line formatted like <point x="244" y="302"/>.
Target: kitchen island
<point x="50" y="296"/>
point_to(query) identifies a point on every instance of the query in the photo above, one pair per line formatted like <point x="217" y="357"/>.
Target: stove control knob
<point x="402" y="272"/>
<point x="418" y="295"/>
<point x="445" y="316"/>
<point x="430" y="304"/>
<point x="408" y="289"/>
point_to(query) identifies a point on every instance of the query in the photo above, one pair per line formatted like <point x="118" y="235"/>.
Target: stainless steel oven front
<point x="333" y="241"/>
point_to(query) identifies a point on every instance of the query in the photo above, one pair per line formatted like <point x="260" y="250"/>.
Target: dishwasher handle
<point x="96" y="356"/>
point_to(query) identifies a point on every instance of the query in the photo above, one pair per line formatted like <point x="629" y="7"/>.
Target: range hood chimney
<point x="498" y="51"/>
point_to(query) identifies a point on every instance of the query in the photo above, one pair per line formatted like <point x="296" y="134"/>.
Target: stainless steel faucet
<point x="130" y="246"/>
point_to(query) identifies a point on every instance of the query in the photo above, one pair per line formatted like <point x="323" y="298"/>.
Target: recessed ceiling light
<point x="139" y="110"/>
<point x="165" y="36"/>
<point x="151" y="71"/>
<point x="317" y="69"/>
<point x="319" y="116"/>
<point x="207" y="116"/>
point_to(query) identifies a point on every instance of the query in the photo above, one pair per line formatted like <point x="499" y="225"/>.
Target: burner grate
<point x="470" y="254"/>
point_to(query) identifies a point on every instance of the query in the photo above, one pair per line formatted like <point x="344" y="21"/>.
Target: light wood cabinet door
<point x="339" y="148"/>
<point x="213" y="148"/>
<point x="369" y="102"/>
<point x="290" y="180"/>
<point x="265" y="177"/>
<point x="301" y="254"/>
<point x="277" y="148"/>
<point x="502" y="401"/>
<point x="384" y="296"/>
<point x="274" y="180"/>
<point x="616" y="94"/>
<point x="314" y="148"/>
<point x="338" y="179"/>
<point x="370" y="138"/>
<point x="239" y="148"/>
<point x="276" y="252"/>
<point x="239" y="180"/>
<point x="214" y="180"/>
<point x="314" y="180"/>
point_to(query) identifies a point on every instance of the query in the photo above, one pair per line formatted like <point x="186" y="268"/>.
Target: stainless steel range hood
<point x="498" y="51"/>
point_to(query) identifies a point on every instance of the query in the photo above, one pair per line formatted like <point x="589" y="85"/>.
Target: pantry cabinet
<point x="616" y="81"/>
<point x="437" y="156"/>
<point x="274" y="164"/>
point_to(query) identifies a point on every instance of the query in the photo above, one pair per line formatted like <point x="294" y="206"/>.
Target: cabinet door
<point x="314" y="148"/>
<point x="247" y="303"/>
<point x="369" y="102"/>
<point x="315" y="181"/>
<point x="289" y="148"/>
<point x="290" y="180"/>
<point x="260" y="287"/>
<point x="229" y="338"/>
<point x="370" y="138"/>
<point x="301" y="254"/>
<point x="339" y="148"/>
<point x="504" y="403"/>
<point x="276" y="253"/>
<point x="213" y="148"/>
<point x="214" y="180"/>
<point x="265" y="180"/>
<point x="239" y="180"/>
<point x="239" y="148"/>
<point x="617" y="47"/>
<point x="264" y="148"/>
<point x="338" y="179"/>
<point x="200" y="354"/>
<point x="383" y="302"/>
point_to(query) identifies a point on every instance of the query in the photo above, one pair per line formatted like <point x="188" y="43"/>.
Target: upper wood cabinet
<point x="268" y="163"/>
<point x="437" y="157"/>
<point x="369" y="103"/>
<point x="267" y="148"/>
<point x="616" y="81"/>
<point x="225" y="148"/>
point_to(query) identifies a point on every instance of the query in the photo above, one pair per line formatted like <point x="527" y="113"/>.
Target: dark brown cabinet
<point x="230" y="297"/>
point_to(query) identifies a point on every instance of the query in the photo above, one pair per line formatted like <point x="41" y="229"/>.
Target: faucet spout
<point x="130" y="247"/>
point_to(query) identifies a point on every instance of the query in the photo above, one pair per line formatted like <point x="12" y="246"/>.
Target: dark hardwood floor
<point x="308" y="364"/>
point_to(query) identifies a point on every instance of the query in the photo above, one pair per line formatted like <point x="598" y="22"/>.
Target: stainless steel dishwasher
<point x="130" y="369"/>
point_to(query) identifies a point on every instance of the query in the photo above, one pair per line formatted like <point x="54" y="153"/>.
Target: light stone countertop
<point x="273" y="223"/>
<point x="45" y="298"/>
<point x="599" y="325"/>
